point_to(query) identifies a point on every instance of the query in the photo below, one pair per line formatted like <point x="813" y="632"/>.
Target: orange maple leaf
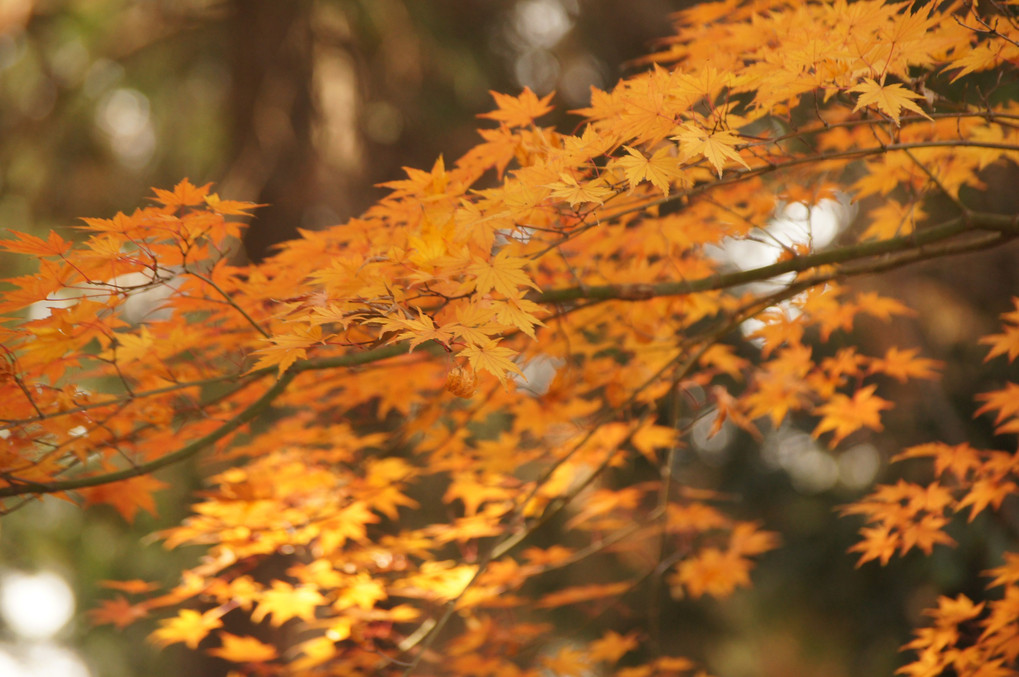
<point x="184" y="194"/>
<point x="25" y="243"/>
<point x="519" y="111"/>
<point x="582" y="593"/>
<point x="1006" y="342"/>
<point x="1004" y="401"/>
<point x="128" y="496"/>
<point x="118" y="611"/>
<point x="132" y="587"/>
<point x="987" y="492"/>
<point x="285" y="349"/>
<point x="904" y="364"/>
<point x="612" y="646"/>
<point x="876" y="543"/>
<point x="845" y="415"/>
<point x="713" y="572"/>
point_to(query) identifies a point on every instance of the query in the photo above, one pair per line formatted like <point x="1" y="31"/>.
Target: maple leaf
<point x="659" y="169"/>
<point x="493" y="358"/>
<point x="981" y="57"/>
<point x="467" y="488"/>
<point x="127" y="496"/>
<point x="118" y="611"/>
<point x="135" y="586"/>
<point x="844" y="415"/>
<point x="188" y="626"/>
<point x="284" y="601"/>
<point x="230" y="207"/>
<point x="612" y="646"/>
<point x="315" y="652"/>
<point x="567" y="188"/>
<point x="876" y="543"/>
<point x="712" y="572"/>
<point x="285" y="349"/>
<point x="959" y="459"/>
<point x="582" y="593"/>
<point x="184" y="194"/>
<point x="747" y="540"/>
<point x="243" y="649"/>
<point x="987" y="492"/>
<point x="551" y="556"/>
<point x="502" y="273"/>
<point x="650" y="437"/>
<point x="519" y="111"/>
<point x="519" y="313"/>
<point x="881" y="307"/>
<point x="25" y="243"/>
<point x="417" y="330"/>
<point x="716" y="147"/>
<point x="1004" y="343"/>
<point x="567" y="662"/>
<point x="889" y="99"/>
<point x="1007" y="573"/>
<point x="903" y="365"/>
<point x="1004" y="401"/>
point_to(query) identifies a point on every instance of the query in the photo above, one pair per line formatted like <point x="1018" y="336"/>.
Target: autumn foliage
<point x="398" y="406"/>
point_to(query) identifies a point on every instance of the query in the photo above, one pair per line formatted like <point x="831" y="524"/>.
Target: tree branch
<point x="999" y="223"/>
<point x="189" y="450"/>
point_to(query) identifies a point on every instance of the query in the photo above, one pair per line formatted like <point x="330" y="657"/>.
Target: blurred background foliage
<point x="306" y="105"/>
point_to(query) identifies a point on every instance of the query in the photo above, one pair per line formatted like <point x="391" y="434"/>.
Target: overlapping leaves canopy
<point x="397" y="358"/>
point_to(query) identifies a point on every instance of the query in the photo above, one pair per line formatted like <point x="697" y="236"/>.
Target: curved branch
<point x="189" y="450"/>
<point x="975" y="222"/>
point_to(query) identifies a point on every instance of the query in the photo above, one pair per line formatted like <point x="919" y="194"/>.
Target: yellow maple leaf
<point x="493" y="358"/>
<point x="314" y="652"/>
<point x="659" y="169"/>
<point x="519" y="111"/>
<point x="889" y="99"/>
<point x="519" y="313"/>
<point x="502" y="273"/>
<point x="238" y="649"/>
<point x="716" y="147"/>
<point x="285" y="601"/>
<point x="285" y="349"/>
<point x="188" y="626"/>
<point x="981" y="57"/>
<point x="575" y="193"/>
<point x="417" y="330"/>
<point x="650" y="437"/>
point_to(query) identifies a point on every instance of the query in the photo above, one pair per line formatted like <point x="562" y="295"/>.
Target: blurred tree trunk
<point x="271" y="116"/>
